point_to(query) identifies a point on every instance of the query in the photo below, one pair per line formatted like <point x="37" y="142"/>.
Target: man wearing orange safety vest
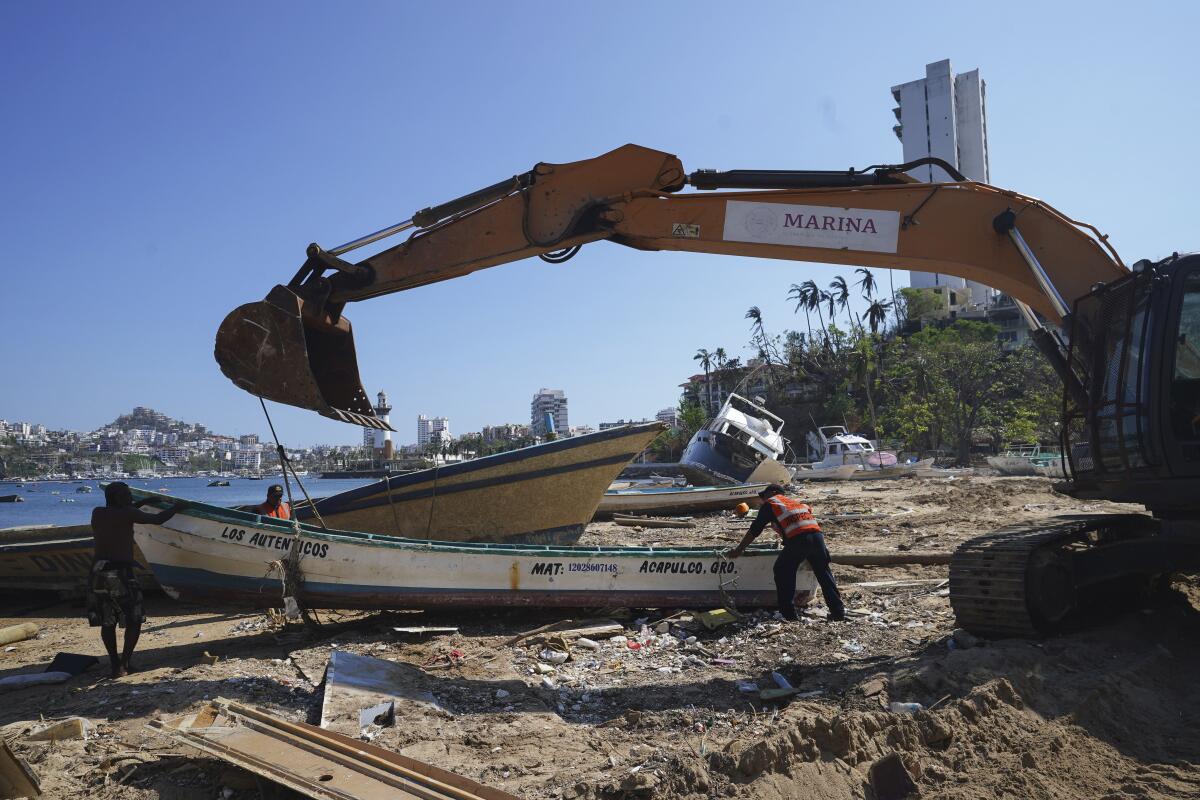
<point x="802" y="541"/>
<point x="275" y="507"/>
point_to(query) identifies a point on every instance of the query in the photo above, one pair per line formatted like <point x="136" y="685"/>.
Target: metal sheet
<point x="316" y="763"/>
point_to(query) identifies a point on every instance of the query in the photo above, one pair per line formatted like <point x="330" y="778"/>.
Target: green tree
<point x="945" y="383"/>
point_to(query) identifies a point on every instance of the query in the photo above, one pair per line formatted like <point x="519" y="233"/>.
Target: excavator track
<point x="988" y="578"/>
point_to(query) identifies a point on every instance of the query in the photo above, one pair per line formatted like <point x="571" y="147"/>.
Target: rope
<point x="291" y="576"/>
<point x="726" y="598"/>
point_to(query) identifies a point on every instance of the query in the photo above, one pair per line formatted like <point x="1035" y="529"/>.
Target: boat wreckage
<point x="743" y="441"/>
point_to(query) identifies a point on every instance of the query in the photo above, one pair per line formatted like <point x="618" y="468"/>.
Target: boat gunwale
<point x="389" y="483"/>
<point x="682" y="490"/>
<point x="213" y="513"/>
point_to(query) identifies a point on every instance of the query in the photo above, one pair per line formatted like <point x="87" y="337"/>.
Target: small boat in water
<point x="209" y="554"/>
<point x="542" y="494"/>
<point x="679" y="500"/>
<point x="11" y="498"/>
<point x="743" y="441"/>
<point x="218" y="483"/>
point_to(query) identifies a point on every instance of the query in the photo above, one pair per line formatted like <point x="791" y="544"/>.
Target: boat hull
<point x="54" y="558"/>
<point x="678" y="500"/>
<point x="542" y="494"/>
<point x="727" y="456"/>
<point x="206" y="554"/>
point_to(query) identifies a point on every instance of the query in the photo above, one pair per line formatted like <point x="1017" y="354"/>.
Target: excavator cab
<point x="1136" y="345"/>
<point x="282" y="349"/>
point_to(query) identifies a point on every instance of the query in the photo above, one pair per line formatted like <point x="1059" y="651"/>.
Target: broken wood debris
<point x="17" y="779"/>
<point x="652" y="522"/>
<point x="317" y="763"/>
<point x="890" y="559"/>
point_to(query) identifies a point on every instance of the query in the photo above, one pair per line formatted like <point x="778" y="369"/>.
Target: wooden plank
<point x="890" y="559"/>
<point x="317" y="763"/>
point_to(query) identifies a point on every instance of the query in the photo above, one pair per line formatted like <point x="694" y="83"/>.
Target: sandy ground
<point x="1107" y="712"/>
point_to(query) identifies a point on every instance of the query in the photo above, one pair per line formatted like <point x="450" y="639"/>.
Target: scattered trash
<point x="715" y="619"/>
<point x="209" y="658"/>
<point x="748" y="687"/>
<point x="781" y="681"/>
<point x="851" y="646"/>
<point x="587" y="643"/>
<point x="503" y="694"/>
<point x="422" y="629"/>
<point x="553" y="656"/>
<point x="69" y="728"/>
<point x="905" y="708"/>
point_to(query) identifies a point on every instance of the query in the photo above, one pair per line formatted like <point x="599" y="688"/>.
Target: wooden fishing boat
<point x="545" y="494"/>
<point x="55" y="558"/>
<point x="677" y="500"/>
<point x="209" y="554"/>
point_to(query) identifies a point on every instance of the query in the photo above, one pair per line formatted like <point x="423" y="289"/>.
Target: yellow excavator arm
<point x="297" y="348"/>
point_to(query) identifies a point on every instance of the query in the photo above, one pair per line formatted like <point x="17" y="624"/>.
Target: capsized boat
<point x="209" y="554"/>
<point x="743" y="441"/>
<point x="542" y="494"/>
<point x="678" y="500"/>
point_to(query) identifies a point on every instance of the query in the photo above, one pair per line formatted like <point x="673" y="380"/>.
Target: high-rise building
<point x="427" y="427"/>
<point x="551" y="403"/>
<point x="668" y="416"/>
<point x="944" y="115"/>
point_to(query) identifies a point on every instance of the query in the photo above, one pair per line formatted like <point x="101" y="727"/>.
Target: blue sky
<point x="165" y="162"/>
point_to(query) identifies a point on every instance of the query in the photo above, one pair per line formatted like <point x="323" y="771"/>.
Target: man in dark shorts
<point x="114" y="596"/>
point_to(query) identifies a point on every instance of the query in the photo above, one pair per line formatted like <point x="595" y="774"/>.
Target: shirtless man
<point x="114" y="596"/>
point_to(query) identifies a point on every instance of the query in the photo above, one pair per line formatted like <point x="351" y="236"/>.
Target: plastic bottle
<point x="905" y="708"/>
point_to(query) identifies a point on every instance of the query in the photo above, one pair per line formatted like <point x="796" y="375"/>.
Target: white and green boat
<point x="210" y="554"/>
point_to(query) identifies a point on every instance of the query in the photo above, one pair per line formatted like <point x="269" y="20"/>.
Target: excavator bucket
<point x="272" y="350"/>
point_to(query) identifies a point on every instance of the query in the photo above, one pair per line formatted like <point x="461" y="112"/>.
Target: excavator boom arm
<point x="296" y="347"/>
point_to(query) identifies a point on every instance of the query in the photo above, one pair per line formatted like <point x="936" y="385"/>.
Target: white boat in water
<point x="209" y="554"/>
<point x="743" y="441"/>
<point x="678" y="500"/>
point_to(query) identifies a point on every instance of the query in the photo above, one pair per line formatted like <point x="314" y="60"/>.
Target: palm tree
<point x="706" y="361"/>
<point x="841" y="295"/>
<point x="866" y="284"/>
<point x="722" y="360"/>
<point x="877" y="313"/>
<point x="828" y="298"/>
<point x="800" y="293"/>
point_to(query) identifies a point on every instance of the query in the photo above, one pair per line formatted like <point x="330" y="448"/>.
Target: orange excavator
<point x="1124" y="341"/>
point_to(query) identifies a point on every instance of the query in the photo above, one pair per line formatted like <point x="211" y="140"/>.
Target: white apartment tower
<point x="429" y="429"/>
<point x="945" y="116"/>
<point x="554" y="403"/>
